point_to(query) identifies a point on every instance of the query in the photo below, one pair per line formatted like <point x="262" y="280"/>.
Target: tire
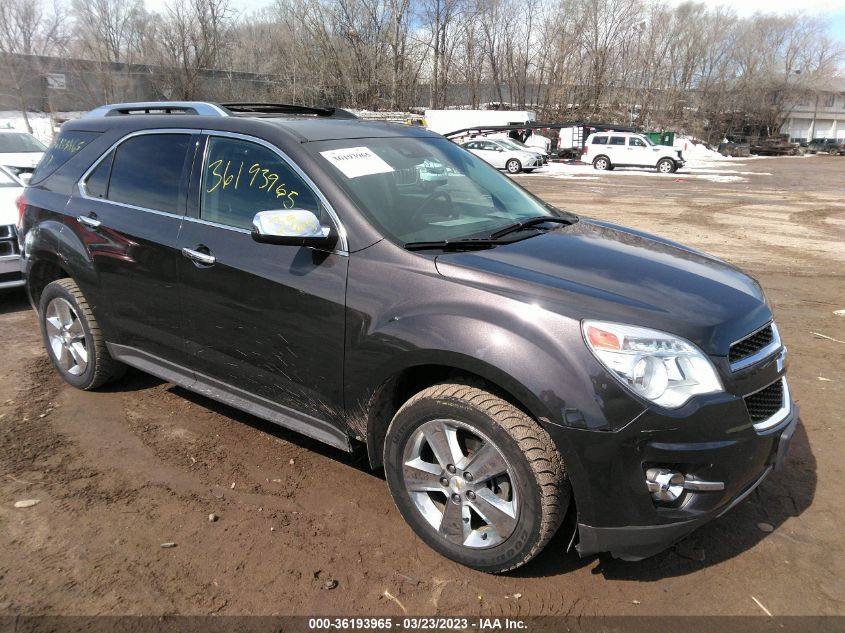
<point x="513" y="166"/>
<point x="73" y="339"/>
<point x="666" y="166"/>
<point x="521" y="487"/>
<point x="602" y="163"/>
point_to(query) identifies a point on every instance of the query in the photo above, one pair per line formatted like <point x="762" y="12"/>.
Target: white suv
<point x="503" y="156"/>
<point x="607" y="150"/>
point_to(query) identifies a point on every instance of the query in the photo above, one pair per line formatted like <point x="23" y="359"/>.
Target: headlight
<point x="660" y="367"/>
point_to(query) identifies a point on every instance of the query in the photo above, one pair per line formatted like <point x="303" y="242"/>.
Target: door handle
<point x="206" y="259"/>
<point x="90" y="221"/>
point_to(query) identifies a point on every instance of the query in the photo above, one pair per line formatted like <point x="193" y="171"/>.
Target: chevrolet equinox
<point x="504" y="361"/>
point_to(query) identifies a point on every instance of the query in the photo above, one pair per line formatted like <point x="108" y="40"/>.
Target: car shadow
<point x="13" y="300"/>
<point x="356" y="459"/>
<point x="134" y="380"/>
<point x="782" y="495"/>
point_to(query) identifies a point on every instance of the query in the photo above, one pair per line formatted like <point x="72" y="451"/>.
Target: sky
<point x="832" y="10"/>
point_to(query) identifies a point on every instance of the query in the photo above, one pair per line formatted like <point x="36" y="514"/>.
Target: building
<point x="818" y="114"/>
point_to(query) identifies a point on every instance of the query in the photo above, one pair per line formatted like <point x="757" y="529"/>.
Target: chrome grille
<point x="757" y="346"/>
<point x="765" y="403"/>
<point x="751" y="344"/>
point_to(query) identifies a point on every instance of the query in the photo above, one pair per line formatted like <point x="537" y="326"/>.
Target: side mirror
<point x="292" y="228"/>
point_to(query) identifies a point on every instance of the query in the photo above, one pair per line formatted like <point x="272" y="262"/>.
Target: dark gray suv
<point x="374" y="284"/>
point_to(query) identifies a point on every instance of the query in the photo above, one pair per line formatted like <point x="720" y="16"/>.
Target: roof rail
<point x="199" y="108"/>
<point x="247" y="108"/>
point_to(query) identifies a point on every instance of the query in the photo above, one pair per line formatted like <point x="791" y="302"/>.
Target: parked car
<point x="20" y="152"/>
<point x="607" y="150"/>
<point x="734" y="149"/>
<point x="503" y="360"/>
<point x="498" y="153"/>
<point x="10" y="259"/>
<point x="522" y="147"/>
<point x="827" y="146"/>
<point x="775" y="146"/>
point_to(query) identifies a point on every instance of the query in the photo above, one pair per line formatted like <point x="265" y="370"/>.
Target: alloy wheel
<point x="66" y="336"/>
<point x="461" y="483"/>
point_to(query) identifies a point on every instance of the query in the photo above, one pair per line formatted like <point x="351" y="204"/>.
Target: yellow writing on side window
<point x="224" y="176"/>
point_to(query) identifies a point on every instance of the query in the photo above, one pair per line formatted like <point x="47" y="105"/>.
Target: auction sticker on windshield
<point x="356" y="161"/>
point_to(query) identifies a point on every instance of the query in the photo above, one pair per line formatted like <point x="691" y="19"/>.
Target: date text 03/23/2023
<point x="417" y="624"/>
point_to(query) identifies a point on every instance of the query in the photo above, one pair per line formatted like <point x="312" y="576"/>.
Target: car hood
<point x="27" y="160"/>
<point x="8" y="208"/>
<point x="598" y="270"/>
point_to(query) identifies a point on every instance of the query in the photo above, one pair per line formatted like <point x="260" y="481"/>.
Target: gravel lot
<point x="120" y="471"/>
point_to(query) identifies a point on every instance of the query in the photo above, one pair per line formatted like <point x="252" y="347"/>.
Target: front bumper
<point x="635" y="542"/>
<point x="716" y="442"/>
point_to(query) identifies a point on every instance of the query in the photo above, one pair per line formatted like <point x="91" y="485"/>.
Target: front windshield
<point x="19" y="143"/>
<point x="426" y="189"/>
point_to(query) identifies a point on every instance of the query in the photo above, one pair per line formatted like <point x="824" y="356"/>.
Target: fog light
<point x="664" y="484"/>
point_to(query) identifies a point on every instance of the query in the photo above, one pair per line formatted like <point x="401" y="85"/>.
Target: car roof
<point x="313" y="129"/>
<point x="302" y="128"/>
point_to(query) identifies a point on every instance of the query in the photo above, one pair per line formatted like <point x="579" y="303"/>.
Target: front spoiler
<point x="636" y="542"/>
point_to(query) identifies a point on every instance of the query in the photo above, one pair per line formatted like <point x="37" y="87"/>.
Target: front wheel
<point x="666" y="166"/>
<point x="513" y="166"/>
<point x="476" y="478"/>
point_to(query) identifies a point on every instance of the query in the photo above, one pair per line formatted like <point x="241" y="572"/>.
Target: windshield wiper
<point x="480" y="242"/>
<point x="518" y="226"/>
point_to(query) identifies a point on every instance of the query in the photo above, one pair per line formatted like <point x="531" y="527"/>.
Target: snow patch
<point x="43" y="127"/>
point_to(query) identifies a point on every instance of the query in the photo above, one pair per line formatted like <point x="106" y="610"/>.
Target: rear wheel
<point x="476" y="478"/>
<point x="666" y="166"/>
<point x="513" y="166"/>
<point x="602" y="163"/>
<point x="73" y="339"/>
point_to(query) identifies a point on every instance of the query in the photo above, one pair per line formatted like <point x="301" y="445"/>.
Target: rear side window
<point x="242" y="178"/>
<point x="66" y="145"/>
<point x="146" y="171"/>
<point x="600" y="140"/>
<point x="617" y="140"/>
<point x="97" y="184"/>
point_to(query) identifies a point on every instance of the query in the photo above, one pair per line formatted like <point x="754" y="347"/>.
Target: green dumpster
<point x="661" y="138"/>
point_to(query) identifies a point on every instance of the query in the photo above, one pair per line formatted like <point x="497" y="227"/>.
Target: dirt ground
<point x="120" y="471"/>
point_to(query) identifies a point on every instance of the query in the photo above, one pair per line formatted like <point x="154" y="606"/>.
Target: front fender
<point x="548" y="378"/>
<point x="536" y="356"/>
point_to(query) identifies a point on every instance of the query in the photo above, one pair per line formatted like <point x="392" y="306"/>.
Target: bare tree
<point x="193" y="36"/>
<point x="28" y="28"/>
